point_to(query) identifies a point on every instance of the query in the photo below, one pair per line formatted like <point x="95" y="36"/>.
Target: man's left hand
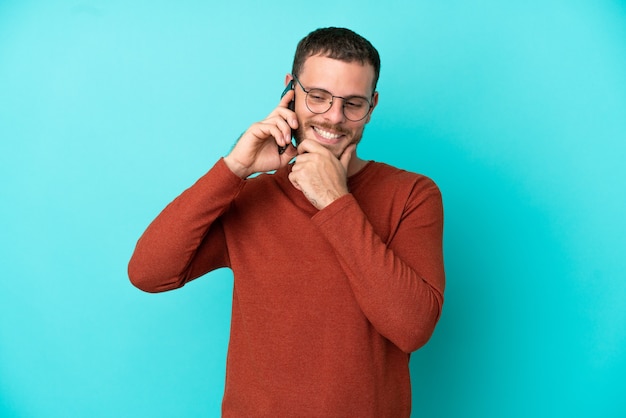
<point x="319" y="175"/>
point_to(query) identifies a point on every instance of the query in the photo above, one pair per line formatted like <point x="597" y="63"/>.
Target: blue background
<point x="109" y="109"/>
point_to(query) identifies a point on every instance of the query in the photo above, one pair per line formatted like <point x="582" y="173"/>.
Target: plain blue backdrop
<point x="109" y="109"/>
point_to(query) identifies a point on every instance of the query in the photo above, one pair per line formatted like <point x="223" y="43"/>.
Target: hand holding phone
<point x="255" y="150"/>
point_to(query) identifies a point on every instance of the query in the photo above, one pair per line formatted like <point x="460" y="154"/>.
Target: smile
<point x="326" y="135"/>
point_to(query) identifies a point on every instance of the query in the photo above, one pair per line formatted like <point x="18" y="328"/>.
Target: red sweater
<point x="327" y="305"/>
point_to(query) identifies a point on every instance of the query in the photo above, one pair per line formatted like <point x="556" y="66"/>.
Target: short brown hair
<point x="337" y="43"/>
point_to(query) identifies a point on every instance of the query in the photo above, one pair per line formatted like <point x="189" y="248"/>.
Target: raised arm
<point x="186" y="240"/>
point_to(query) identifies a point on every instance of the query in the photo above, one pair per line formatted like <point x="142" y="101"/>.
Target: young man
<point x="337" y="261"/>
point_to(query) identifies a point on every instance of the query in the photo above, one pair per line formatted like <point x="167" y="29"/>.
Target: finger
<point x="308" y="145"/>
<point x="287" y="98"/>
<point x="285" y="137"/>
<point x="277" y="128"/>
<point x="268" y="131"/>
<point x="294" y="181"/>
<point x="284" y="111"/>
<point x="287" y="153"/>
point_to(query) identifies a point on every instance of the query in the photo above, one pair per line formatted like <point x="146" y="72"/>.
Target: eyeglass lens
<point x="320" y="101"/>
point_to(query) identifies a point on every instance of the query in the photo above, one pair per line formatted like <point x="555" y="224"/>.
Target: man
<point x="337" y="261"/>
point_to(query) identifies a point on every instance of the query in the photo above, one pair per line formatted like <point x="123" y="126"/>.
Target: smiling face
<point x="332" y="129"/>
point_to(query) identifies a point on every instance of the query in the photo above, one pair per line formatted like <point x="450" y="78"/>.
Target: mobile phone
<point x="291" y="106"/>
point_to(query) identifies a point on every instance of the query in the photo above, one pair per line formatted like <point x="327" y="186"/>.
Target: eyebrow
<point x="350" y="96"/>
<point x="341" y="97"/>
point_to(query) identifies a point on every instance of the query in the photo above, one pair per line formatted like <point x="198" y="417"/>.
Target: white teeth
<point x="326" y="134"/>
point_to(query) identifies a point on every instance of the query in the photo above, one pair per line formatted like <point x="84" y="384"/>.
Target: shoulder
<point x="388" y="177"/>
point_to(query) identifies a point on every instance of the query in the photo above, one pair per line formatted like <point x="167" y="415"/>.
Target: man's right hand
<point x="257" y="149"/>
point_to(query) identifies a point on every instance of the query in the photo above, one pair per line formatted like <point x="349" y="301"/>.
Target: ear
<point x="374" y="103"/>
<point x="288" y="78"/>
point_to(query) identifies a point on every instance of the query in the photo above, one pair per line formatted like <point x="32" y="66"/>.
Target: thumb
<point x="347" y="155"/>
<point x="289" y="153"/>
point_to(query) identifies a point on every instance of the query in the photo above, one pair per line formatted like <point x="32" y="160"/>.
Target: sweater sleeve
<point x="186" y="239"/>
<point x="398" y="285"/>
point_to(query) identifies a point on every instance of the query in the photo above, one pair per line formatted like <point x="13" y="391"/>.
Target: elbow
<point x="142" y="283"/>
<point x="150" y="281"/>
<point x="415" y="337"/>
<point x="140" y="279"/>
<point x="414" y="341"/>
<point x="423" y="327"/>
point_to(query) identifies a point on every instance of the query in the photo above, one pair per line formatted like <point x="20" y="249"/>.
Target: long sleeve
<point x="399" y="283"/>
<point x="186" y="240"/>
<point x="326" y="304"/>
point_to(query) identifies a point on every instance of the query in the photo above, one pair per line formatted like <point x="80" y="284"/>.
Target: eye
<point x="318" y="96"/>
<point x="355" y="103"/>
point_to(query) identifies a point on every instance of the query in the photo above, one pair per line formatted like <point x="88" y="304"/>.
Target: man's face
<point x="332" y="129"/>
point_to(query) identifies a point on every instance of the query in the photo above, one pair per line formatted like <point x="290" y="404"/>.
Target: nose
<point x="335" y="113"/>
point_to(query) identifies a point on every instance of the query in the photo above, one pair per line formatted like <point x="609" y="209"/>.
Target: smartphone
<point x="291" y="106"/>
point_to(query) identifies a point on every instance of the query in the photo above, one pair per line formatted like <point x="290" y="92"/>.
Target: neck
<point x="356" y="164"/>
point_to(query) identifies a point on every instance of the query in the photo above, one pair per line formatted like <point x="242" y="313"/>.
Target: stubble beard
<point x="299" y="135"/>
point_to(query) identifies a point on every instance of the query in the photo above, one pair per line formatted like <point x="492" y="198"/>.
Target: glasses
<point x="318" y="101"/>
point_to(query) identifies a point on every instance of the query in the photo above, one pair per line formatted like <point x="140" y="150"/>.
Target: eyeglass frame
<point x="332" y="98"/>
